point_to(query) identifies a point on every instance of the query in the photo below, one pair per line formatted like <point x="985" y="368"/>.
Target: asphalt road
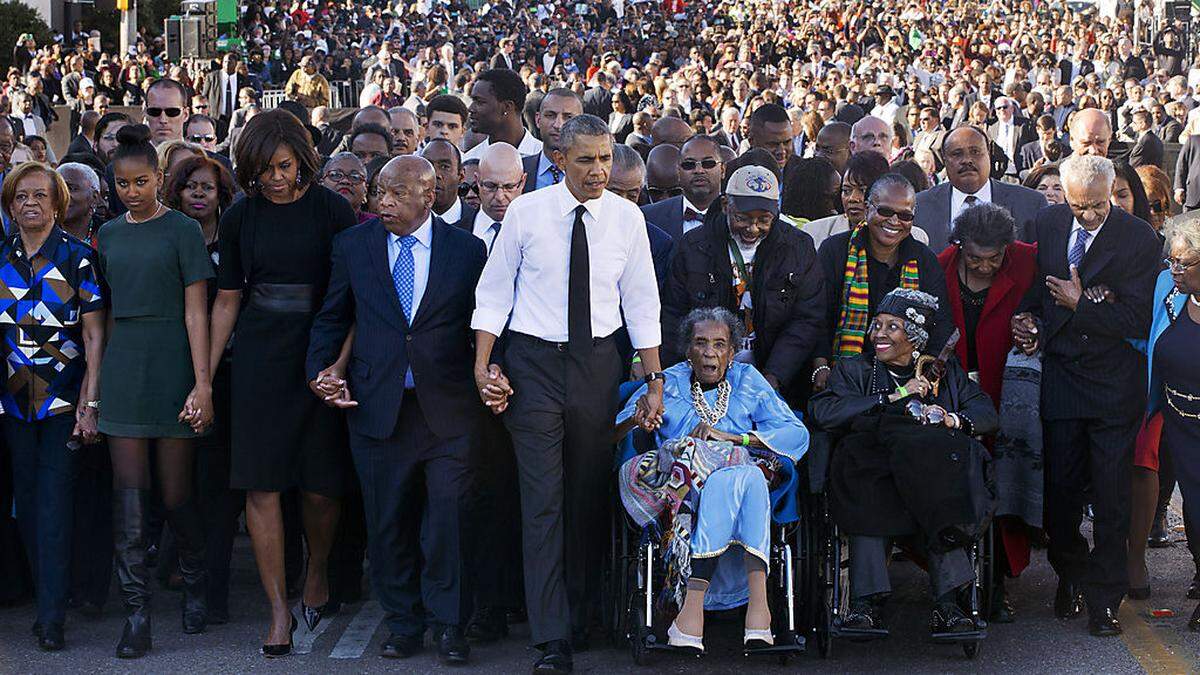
<point x="349" y="643"/>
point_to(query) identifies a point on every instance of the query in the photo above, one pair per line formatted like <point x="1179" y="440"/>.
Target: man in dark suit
<point x="627" y="179"/>
<point x="87" y="129"/>
<point x="1047" y="146"/>
<point x="1148" y="150"/>
<point x="447" y="164"/>
<point x="699" y="172"/>
<point x="505" y="58"/>
<point x="1187" y="174"/>
<point x="1166" y="125"/>
<point x="405" y="282"/>
<point x="969" y="181"/>
<point x="597" y="100"/>
<point x="1093" y="380"/>
<point x="557" y="106"/>
<point x="1007" y="132"/>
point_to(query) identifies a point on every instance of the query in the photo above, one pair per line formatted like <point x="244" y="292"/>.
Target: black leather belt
<point x="559" y="346"/>
<point x="282" y="298"/>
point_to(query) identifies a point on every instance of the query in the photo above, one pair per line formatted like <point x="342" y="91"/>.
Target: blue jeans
<point x="43" y="477"/>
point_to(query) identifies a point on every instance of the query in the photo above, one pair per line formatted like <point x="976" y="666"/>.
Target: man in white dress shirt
<point x="571" y="264"/>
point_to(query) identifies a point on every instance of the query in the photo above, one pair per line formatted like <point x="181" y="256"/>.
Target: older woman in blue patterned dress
<point x="723" y="423"/>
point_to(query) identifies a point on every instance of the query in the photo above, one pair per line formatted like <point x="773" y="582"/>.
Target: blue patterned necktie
<point x="404" y="275"/>
<point x="555" y="174"/>
<point x="1079" y="248"/>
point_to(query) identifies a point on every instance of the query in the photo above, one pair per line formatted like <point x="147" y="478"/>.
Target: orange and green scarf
<point x="856" y="296"/>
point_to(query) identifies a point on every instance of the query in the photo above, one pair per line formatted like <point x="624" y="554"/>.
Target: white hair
<point x="1087" y="170"/>
<point x="86" y="171"/>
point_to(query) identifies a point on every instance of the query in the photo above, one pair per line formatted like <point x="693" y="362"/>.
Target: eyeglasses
<point x="888" y="212"/>
<point x="690" y="164"/>
<point x="499" y="187"/>
<point x="342" y="176"/>
<point x="198" y="106"/>
<point x="1177" y="267"/>
<point x="202" y="138"/>
<point x="467" y="188"/>
<point x="169" y="112"/>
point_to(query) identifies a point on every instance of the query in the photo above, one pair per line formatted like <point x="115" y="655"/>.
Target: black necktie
<point x="692" y="214"/>
<point x="579" y="304"/>
<point x="496" y="227"/>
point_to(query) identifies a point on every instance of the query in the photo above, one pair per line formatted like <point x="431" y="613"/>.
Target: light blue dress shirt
<point x="544" y="177"/>
<point x="421" y="253"/>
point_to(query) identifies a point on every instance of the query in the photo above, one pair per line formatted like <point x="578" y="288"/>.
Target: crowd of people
<point x="412" y="331"/>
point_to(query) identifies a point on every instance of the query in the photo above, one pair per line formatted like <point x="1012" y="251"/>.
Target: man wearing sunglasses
<point x="201" y="130"/>
<point x="165" y="110"/>
<point x="1007" y="132"/>
<point x="699" y="176"/>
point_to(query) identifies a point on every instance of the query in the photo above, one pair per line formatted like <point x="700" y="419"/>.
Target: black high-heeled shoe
<point x="1194" y="622"/>
<point x="276" y="651"/>
<point x="313" y="615"/>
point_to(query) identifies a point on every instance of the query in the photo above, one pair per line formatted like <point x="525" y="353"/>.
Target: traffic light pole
<point x="128" y="25"/>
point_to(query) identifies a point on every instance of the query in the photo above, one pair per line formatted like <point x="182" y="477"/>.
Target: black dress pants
<point x="91" y="537"/>
<point x="219" y="504"/>
<point x="414" y="488"/>
<point x="1099" y="452"/>
<point x="561" y="420"/>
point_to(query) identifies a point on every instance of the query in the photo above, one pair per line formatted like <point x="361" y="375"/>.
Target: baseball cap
<point x="753" y="188"/>
<point x="86" y="82"/>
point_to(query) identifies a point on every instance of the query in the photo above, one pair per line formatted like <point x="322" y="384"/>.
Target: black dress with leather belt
<point x="277" y="255"/>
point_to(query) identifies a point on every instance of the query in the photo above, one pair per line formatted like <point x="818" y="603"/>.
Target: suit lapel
<point x="1100" y="253"/>
<point x="439" y="262"/>
<point x="379" y="262"/>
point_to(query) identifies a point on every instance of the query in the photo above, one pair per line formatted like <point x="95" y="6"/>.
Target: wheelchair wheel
<point x="639" y="634"/>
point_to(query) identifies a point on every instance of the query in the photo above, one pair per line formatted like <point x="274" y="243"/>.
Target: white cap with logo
<point x="753" y="188"/>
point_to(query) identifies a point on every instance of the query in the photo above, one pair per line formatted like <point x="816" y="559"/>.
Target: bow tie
<point x="692" y="214"/>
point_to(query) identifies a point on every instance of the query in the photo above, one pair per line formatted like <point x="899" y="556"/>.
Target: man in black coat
<point x="598" y="99"/>
<point x="1187" y="174"/>
<point x="1093" y="380"/>
<point x="406" y="283"/>
<point x="1148" y="150"/>
<point x="778" y="289"/>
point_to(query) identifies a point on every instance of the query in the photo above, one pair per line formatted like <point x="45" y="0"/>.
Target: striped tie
<point x="1076" y="254"/>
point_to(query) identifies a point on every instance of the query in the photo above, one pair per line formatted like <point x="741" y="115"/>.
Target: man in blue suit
<point x="405" y="283"/>
<point x="700" y="177"/>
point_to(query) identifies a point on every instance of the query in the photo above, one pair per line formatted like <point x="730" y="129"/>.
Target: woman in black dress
<point x="274" y="248"/>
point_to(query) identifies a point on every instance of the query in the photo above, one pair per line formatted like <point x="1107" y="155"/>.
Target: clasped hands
<point x="197" y="410"/>
<point x="331" y="387"/>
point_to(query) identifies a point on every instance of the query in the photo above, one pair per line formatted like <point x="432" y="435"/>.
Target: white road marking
<point x="359" y="633"/>
<point x="302" y="642"/>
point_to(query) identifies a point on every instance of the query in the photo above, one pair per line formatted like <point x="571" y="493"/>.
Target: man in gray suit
<point x="968" y="170"/>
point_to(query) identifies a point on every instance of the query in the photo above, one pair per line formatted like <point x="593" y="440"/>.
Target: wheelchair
<point x="826" y="581"/>
<point x="636" y="579"/>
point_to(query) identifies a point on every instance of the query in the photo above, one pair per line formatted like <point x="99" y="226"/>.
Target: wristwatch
<point x="92" y="404"/>
<point x="650" y="377"/>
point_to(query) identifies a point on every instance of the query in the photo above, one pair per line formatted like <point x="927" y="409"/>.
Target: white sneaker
<point x="678" y="638"/>
<point x="756" y="635"/>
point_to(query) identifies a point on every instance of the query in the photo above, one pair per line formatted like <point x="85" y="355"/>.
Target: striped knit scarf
<point x="856" y="296"/>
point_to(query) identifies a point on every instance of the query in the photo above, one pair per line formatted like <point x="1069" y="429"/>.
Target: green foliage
<point x="17" y="18"/>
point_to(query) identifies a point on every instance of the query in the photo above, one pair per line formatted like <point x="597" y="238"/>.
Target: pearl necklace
<point x="157" y="210"/>
<point x="711" y="416"/>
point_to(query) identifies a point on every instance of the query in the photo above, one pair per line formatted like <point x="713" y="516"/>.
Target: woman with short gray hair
<point x="1175" y="372"/>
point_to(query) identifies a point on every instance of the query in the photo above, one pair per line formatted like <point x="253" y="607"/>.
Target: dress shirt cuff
<point x="641" y="336"/>
<point x="488" y="320"/>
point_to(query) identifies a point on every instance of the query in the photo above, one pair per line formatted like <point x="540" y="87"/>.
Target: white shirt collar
<point x="958" y="198"/>
<point x="567" y="203"/>
<point x="454" y="213"/>
<point x="424" y="233"/>
<point x="687" y="204"/>
<point x="1076" y="226"/>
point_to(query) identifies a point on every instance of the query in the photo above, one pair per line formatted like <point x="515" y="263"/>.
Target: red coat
<point x="993" y="340"/>
<point x="993" y="335"/>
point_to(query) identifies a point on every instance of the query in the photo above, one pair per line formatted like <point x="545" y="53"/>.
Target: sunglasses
<point x="690" y="164"/>
<point x="159" y="112"/>
<point x="467" y="188"/>
<point x="657" y="193"/>
<point x="205" y="138"/>
<point x="888" y="212"/>
<point x="1159" y="207"/>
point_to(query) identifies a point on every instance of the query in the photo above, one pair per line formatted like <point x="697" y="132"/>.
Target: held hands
<point x="198" y="409"/>
<point x="85" y="430"/>
<point x="1066" y="292"/>
<point x="649" y="409"/>
<point x="331" y="387"/>
<point x="1025" y="332"/>
<point x="493" y="387"/>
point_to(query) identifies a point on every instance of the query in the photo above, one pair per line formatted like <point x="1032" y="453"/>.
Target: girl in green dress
<point x="155" y="385"/>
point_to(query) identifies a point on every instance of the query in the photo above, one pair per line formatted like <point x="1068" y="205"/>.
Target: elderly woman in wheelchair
<point x="907" y="466"/>
<point x="724" y="437"/>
